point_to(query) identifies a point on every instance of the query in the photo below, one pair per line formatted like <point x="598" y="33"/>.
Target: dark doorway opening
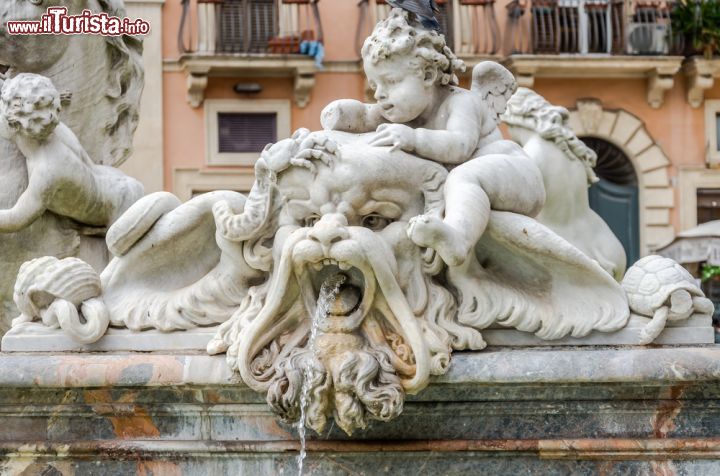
<point x="616" y="196"/>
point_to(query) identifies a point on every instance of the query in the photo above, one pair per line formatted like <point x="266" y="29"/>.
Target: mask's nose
<point x="330" y="229"/>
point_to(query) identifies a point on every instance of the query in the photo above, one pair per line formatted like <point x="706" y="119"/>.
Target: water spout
<point x="328" y="293"/>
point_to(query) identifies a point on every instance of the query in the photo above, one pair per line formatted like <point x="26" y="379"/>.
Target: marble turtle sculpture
<point x="661" y="288"/>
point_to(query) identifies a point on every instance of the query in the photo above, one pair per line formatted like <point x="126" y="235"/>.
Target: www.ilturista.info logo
<point x="57" y="22"/>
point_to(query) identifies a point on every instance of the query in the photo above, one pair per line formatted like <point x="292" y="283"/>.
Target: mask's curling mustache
<point x="256" y="336"/>
<point x="399" y="306"/>
<point x="377" y="339"/>
<point x="227" y="335"/>
<point x="306" y="290"/>
<point x="294" y="315"/>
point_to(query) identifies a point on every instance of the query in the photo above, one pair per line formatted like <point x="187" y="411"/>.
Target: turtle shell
<point x="650" y="281"/>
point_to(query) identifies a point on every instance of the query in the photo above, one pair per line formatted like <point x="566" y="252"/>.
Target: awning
<point x="698" y="244"/>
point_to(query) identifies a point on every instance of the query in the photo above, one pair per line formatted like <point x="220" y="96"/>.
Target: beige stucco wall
<point x="146" y="162"/>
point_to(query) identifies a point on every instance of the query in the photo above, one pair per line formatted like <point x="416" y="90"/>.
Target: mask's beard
<point x="354" y="386"/>
<point x="399" y="308"/>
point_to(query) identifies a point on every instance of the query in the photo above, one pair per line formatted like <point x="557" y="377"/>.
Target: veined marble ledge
<point x="664" y="365"/>
<point x="33" y="337"/>
<point x="571" y="410"/>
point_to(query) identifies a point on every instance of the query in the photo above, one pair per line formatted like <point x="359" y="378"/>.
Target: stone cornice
<point x="658" y="70"/>
<point x="200" y="67"/>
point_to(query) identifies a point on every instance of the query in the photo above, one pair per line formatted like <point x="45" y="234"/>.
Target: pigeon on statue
<point x="424" y="9"/>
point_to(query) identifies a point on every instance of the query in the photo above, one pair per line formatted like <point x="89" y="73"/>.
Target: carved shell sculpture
<point x="62" y="293"/>
<point x="661" y="288"/>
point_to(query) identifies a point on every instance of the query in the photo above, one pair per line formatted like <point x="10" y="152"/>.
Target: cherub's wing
<point x="495" y="84"/>
<point x="526" y="277"/>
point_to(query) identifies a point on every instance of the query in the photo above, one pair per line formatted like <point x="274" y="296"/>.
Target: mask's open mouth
<point x="338" y="294"/>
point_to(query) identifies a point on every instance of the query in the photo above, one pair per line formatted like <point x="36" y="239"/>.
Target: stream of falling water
<point x="328" y="292"/>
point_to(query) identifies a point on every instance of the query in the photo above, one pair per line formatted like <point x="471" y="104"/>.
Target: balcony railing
<point x="600" y="26"/>
<point x="617" y="27"/>
<point x="245" y="27"/>
<point x="469" y="26"/>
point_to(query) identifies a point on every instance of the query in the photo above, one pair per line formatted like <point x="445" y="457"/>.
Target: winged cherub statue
<point x="420" y="109"/>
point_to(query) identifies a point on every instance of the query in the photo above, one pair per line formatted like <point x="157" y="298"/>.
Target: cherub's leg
<point x="498" y="182"/>
<point x="467" y="210"/>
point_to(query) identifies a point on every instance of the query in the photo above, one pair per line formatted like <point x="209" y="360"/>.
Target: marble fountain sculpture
<point x="367" y="253"/>
<point x="93" y="89"/>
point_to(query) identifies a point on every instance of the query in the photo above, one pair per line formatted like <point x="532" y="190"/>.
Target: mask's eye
<point x="310" y="220"/>
<point x="36" y="2"/>
<point x="375" y="222"/>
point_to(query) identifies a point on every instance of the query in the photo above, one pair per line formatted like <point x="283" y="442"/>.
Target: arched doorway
<point x="615" y="197"/>
<point x="626" y="132"/>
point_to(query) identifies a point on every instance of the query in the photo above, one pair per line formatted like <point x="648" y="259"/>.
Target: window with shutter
<point x="708" y="205"/>
<point x="712" y="131"/>
<point x="232" y="27"/>
<point x="247" y="26"/>
<point x="263" y="24"/>
<point x="237" y="130"/>
<point x="245" y="132"/>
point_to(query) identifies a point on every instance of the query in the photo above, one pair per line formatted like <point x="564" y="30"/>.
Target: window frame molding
<point x="712" y="110"/>
<point x="213" y="158"/>
<point x="189" y="181"/>
<point x="690" y="179"/>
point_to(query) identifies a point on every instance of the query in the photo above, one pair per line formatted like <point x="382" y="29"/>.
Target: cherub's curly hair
<point x="400" y="34"/>
<point x="30" y="103"/>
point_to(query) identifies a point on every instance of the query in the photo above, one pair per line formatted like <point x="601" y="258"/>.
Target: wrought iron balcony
<point x="562" y="38"/>
<point x="595" y="38"/>
<point x="246" y="27"/>
<point x="619" y="27"/>
<point x="248" y="38"/>
<point x="470" y="26"/>
<point x="601" y="26"/>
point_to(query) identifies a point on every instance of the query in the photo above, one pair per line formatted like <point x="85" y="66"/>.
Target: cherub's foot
<point x="430" y="232"/>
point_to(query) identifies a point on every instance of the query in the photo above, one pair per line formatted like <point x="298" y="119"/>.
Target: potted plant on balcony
<point x="696" y="24"/>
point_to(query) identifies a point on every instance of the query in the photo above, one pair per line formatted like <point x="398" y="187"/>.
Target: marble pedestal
<point x="34" y="337"/>
<point x="568" y="410"/>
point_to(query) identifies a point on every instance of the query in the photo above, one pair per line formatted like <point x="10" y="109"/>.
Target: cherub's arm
<point x="454" y="144"/>
<point x="26" y="210"/>
<point x="349" y="115"/>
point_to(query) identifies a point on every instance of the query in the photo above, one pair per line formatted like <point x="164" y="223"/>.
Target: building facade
<point x="234" y="77"/>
